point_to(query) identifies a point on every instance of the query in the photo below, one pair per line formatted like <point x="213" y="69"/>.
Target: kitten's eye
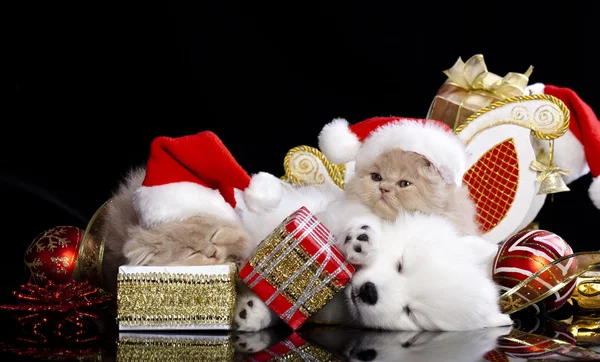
<point x="404" y="183"/>
<point x="399" y="267"/>
<point x="376" y="177"/>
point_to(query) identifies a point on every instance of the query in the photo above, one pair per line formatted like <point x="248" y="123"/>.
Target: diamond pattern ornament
<point x="500" y="179"/>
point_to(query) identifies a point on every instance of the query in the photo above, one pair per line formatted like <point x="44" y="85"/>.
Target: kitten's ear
<point x="445" y="173"/>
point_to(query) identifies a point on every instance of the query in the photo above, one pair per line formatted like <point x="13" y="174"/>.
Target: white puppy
<point x="426" y="276"/>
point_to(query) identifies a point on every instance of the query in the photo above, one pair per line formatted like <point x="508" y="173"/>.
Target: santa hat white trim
<point x="442" y="148"/>
<point x="594" y="191"/>
<point x="337" y="142"/>
<point x="179" y="201"/>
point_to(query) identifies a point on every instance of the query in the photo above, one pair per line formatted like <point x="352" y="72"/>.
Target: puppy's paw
<point x="358" y="244"/>
<point x="252" y="314"/>
<point x="263" y="193"/>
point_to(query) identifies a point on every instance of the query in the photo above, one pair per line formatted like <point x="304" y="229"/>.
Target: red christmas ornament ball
<point x="526" y="253"/>
<point x="52" y="256"/>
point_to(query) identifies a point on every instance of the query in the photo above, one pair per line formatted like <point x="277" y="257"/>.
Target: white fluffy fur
<point x="594" y="191"/>
<point x="445" y="279"/>
<point x="337" y="142"/>
<point x="178" y="201"/>
<point x="442" y="148"/>
<point x="268" y="201"/>
<point x="536" y="88"/>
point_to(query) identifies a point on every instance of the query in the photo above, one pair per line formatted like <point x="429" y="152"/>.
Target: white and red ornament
<point x="529" y="251"/>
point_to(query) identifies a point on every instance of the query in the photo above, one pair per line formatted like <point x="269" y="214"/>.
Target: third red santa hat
<point x="189" y="176"/>
<point x="579" y="149"/>
<point x="364" y="141"/>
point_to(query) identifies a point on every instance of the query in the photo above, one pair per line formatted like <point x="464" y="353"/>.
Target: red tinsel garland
<point x="63" y="308"/>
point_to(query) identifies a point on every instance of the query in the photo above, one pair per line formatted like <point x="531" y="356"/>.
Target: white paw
<point x="358" y="244"/>
<point x="264" y="192"/>
<point x="252" y="314"/>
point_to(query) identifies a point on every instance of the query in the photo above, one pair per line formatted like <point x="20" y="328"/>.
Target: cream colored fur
<point x="198" y="240"/>
<point x="426" y="191"/>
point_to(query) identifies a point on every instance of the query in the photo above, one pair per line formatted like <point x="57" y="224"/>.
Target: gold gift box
<point x="471" y="87"/>
<point x="176" y="297"/>
<point x="177" y="347"/>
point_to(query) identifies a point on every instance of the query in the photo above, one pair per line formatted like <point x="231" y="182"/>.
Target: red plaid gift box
<point x="293" y="348"/>
<point x="297" y="269"/>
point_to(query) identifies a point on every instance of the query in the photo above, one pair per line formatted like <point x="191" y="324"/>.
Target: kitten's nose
<point x="383" y="191"/>
<point x="368" y="293"/>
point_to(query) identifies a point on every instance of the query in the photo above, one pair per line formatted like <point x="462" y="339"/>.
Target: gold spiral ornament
<point x="520" y="113"/>
<point x="548" y="121"/>
<point x="302" y="166"/>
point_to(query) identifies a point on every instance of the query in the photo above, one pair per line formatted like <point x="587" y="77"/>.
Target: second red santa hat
<point x="578" y="150"/>
<point x="189" y="176"/>
<point x="364" y="141"/>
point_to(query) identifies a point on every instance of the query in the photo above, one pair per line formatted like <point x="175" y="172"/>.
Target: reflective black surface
<point x="531" y="338"/>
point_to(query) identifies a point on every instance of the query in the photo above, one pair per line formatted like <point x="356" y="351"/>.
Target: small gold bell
<point x="552" y="184"/>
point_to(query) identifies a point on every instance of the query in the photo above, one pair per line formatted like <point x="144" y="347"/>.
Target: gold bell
<point x="552" y="184"/>
<point x="549" y="177"/>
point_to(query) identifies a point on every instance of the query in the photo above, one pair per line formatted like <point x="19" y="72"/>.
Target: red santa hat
<point x="363" y="142"/>
<point x="578" y="150"/>
<point x="189" y="176"/>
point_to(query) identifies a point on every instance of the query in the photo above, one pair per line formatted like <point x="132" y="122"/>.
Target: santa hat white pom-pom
<point x="337" y="142"/>
<point x="594" y="191"/>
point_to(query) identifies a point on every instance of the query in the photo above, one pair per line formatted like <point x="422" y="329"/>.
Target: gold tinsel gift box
<point x="176" y="297"/>
<point x="150" y="347"/>
<point x="471" y="87"/>
<point x="297" y="269"/>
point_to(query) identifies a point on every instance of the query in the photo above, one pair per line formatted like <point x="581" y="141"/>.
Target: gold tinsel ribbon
<point x="550" y="345"/>
<point x="176" y="299"/>
<point x="474" y="77"/>
<point x="161" y="349"/>
<point x="561" y="272"/>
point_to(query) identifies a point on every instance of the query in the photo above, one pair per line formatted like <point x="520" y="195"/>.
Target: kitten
<point x="400" y="181"/>
<point x="199" y="240"/>
<point x="395" y="184"/>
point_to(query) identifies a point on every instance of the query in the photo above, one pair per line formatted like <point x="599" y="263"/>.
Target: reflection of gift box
<point x="176" y="297"/>
<point x="296" y="270"/>
<point x="471" y="87"/>
<point x="293" y="348"/>
<point x="174" y="347"/>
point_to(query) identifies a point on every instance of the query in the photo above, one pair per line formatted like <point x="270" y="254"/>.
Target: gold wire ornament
<point x="550" y="177"/>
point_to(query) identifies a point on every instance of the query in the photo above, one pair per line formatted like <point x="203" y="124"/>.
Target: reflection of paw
<point x="358" y="244"/>
<point x="252" y="314"/>
<point x="251" y="342"/>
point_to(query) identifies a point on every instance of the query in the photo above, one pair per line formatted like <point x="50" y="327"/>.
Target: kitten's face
<point x="398" y="180"/>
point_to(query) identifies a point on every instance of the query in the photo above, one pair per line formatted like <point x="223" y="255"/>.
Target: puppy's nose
<point x="368" y="293"/>
<point x="383" y="191"/>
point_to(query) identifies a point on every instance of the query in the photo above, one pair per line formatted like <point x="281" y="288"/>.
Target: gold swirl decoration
<point x="547" y="122"/>
<point x="302" y="167"/>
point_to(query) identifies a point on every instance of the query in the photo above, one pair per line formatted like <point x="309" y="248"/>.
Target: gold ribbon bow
<point x="474" y="76"/>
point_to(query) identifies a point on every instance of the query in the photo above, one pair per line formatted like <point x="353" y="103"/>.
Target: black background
<point x="96" y="82"/>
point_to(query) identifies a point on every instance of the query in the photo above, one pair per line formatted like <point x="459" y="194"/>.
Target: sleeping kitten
<point x="198" y="240"/>
<point x="397" y="182"/>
